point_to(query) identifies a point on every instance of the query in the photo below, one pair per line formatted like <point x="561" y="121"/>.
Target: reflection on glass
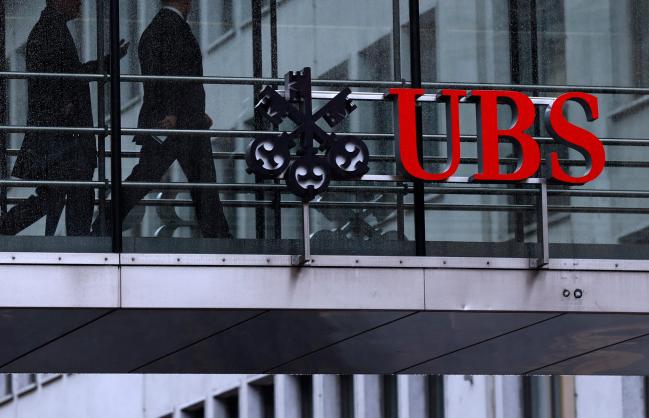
<point x="168" y="47"/>
<point x="324" y="34"/>
<point x="49" y="39"/>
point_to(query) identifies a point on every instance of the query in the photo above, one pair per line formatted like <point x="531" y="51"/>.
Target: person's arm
<point x="92" y="67"/>
<point x="179" y="94"/>
<point x="156" y="59"/>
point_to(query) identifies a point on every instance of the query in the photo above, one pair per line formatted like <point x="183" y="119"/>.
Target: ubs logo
<point x="320" y="156"/>
<point x="310" y="171"/>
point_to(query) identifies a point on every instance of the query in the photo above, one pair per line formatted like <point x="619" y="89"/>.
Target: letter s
<point x="575" y="137"/>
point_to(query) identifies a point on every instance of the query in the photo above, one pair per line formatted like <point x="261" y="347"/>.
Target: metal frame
<point x="416" y="82"/>
<point x="116" y="127"/>
<point x="317" y="261"/>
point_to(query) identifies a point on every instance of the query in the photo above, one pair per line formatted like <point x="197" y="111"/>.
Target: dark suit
<point x="168" y="47"/>
<point x="55" y="156"/>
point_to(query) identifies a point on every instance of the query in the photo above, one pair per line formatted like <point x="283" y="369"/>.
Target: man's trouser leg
<point x="79" y="207"/>
<point x="43" y="201"/>
<point x="54" y="204"/>
<point x="195" y="158"/>
<point x="155" y="160"/>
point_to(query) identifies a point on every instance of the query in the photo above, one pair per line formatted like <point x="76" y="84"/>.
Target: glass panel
<point x="322" y="35"/>
<point x="366" y="218"/>
<point x="460" y="218"/>
<point x="352" y="41"/>
<point x="52" y="39"/>
<point x="185" y="42"/>
<point x="555" y="43"/>
<point x="261" y="215"/>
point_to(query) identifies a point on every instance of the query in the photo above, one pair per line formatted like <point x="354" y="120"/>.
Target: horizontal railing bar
<point x="249" y="134"/>
<point x="23" y="75"/>
<point x="367" y="177"/>
<point x="132" y="78"/>
<point x="390" y="158"/>
<point x="405" y="189"/>
<point x="53" y="183"/>
<point x="338" y="83"/>
<point x="537" y="88"/>
<point x="51" y="129"/>
<point x="388" y="206"/>
<point x="426" y="98"/>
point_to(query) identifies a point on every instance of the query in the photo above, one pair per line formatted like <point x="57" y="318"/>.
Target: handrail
<point x="443" y="188"/>
<point x="459" y="207"/>
<point x="337" y="83"/>
<point x="235" y="133"/>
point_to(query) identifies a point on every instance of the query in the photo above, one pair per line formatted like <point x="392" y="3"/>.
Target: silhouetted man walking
<point x="56" y="102"/>
<point x="168" y="48"/>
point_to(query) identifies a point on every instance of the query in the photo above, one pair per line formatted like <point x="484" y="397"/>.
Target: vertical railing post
<point x="396" y="70"/>
<point x="4" y="168"/>
<point x="274" y="73"/>
<point x="101" y="116"/>
<point x="396" y="40"/>
<point x="257" y="72"/>
<point x="116" y="128"/>
<point x="305" y="258"/>
<point x="542" y="228"/>
<point x="415" y="77"/>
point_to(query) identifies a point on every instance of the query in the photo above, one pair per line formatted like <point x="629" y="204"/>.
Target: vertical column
<point x="396" y="73"/>
<point x="415" y="76"/>
<point x="101" y="116"/>
<point x="542" y="228"/>
<point x="277" y="197"/>
<point x="257" y="72"/>
<point x="287" y="396"/>
<point x="116" y="128"/>
<point x="4" y="169"/>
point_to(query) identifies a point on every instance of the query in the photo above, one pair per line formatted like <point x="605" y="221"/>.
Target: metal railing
<point x="537" y="187"/>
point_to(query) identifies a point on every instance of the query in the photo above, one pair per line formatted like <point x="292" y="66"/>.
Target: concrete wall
<point x="189" y="396"/>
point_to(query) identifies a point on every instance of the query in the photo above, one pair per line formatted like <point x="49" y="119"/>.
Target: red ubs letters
<point x="489" y="135"/>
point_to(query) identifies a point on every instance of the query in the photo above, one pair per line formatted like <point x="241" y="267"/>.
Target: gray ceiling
<point x="321" y="341"/>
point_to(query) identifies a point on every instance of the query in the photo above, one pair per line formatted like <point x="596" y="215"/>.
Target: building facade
<point x="320" y="396"/>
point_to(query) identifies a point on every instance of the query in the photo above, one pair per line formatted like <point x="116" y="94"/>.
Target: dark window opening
<point x="390" y="396"/>
<point x="346" y="396"/>
<point x="196" y="411"/>
<point x="435" y="396"/>
<point x="227" y="406"/>
<point x="306" y="396"/>
<point x="5" y="386"/>
<point x="265" y="397"/>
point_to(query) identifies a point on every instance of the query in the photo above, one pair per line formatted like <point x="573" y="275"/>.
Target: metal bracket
<point x="542" y="229"/>
<point x="305" y="258"/>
